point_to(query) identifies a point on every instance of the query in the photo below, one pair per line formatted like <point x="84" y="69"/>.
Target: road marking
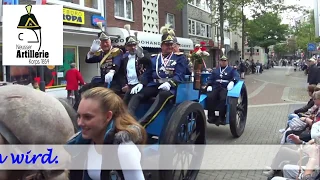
<point x="258" y="90"/>
<point x="285" y="94"/>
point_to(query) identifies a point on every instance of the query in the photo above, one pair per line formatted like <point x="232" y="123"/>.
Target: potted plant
<point x="197" y="58"/>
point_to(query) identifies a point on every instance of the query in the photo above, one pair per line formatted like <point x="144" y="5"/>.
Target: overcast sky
<point x="287" y="18"/>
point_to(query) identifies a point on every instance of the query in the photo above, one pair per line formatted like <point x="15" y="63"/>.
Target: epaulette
<point x="115" y="52"/>
<point x="154" y="55"/>
<point x="98" y="53"/>
<point x="178" y="53"/>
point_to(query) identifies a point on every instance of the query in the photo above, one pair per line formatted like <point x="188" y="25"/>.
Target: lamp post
<point x="42" y="84"/>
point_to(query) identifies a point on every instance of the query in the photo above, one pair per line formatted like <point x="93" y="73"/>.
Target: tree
<point x="305" y="33"/>
<point x="232" y="11"/>
<point x="266" y="30"/>
<point x="280" y="49"/>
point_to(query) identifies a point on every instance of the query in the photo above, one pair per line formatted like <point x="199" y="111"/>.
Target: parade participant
<point x="167" y="71"/>
<point x="104" y="120"/>
<point x="221" y="80"/>
<point x="176" y="49"/>
<point x="109" y="58"/>
<point x="134" y="63"/>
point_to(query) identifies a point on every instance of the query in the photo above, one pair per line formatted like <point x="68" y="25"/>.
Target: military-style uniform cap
<point x="28" y="21"/>
<point x="131" y="39"/>
<point x="168" y="34"/>
<point x="102" y="35"/>
<point x="224" y="58"/>
<point x="175" y="41"/>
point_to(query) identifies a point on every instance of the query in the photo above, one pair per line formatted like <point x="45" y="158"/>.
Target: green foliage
<point x="265" y="30"/>
<point x="305" y="33"/>
<point x="232" y="12"/>
<point x="280" y="48"/>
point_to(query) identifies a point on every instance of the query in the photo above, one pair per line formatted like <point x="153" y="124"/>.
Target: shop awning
<point x="146" y="39"/>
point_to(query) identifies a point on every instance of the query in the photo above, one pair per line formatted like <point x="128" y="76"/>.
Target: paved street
<point x="272" y="95"/>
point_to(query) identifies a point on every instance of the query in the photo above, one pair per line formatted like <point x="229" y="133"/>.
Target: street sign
<point x="312" y="47"/>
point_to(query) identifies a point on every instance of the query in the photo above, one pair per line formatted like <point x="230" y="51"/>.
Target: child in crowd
<point x="35" y="85"/>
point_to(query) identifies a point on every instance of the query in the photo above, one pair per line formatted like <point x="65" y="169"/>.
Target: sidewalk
<point x="267" y="114"/>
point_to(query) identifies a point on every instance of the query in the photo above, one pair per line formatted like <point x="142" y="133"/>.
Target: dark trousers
<point x="75" y="92"/>
<point x="127" y="95"/>
<point x="145" y="94"/>
<point x="216" y="100"/>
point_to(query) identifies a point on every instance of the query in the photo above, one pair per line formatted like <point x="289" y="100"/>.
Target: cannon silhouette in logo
<point x="28" y="23"/>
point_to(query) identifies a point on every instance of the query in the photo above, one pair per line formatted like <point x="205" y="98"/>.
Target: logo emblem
<point x="32" y="35"/>
<point x="29" y="21"/>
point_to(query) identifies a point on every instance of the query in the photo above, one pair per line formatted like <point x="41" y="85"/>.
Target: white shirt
<point x="131" y="70"/>
<point x="129" y="156"/>
<point x="94" y="162"/>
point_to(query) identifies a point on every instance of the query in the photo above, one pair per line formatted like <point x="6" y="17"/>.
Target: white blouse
<point x="128" y="156"/>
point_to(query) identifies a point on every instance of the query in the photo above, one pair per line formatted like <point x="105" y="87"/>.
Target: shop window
<point x="123" y="9"/>
<point x="54" y="76"/>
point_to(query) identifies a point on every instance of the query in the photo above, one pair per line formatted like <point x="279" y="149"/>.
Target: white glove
<point x="137" y="88"/>
<point x="165" y="86"/>
<point x="230" y="85"/>
<point x="209" y="88"/>
<point x="95" y="45"/>
<point x="109" y="76"/>
<point x="139" y="52"/>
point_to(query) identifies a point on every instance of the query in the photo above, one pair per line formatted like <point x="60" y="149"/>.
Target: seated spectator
<point x="310" y="171"/>
<point x="314" y="116"/>
<point x="311" y="89"/>
<point x="304" y="109"/>
<point x="289" y="155"/>
<point x="292" y="156"/>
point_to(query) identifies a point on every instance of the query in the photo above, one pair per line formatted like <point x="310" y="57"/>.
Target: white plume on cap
<point x="167" y="30"/>
<point x="99" y="24"/>
<point x="128" y="28"/>
<point x="223" y="50"/>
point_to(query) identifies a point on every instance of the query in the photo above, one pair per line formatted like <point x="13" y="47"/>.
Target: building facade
<point x="198" y="25"/>
<point x="79" y="30"/>
<point x="147" y="18"/>
<point x="235" y="50"/>
<point x="256" y="54"/>
<point x="170" y="15"/>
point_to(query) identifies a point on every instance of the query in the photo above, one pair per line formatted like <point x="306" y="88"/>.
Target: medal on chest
<point x="222" y="72"/>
